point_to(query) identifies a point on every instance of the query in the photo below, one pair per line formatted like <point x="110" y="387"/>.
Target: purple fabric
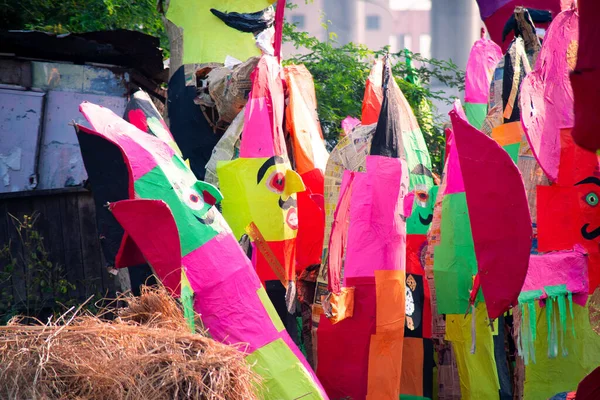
<point x="488" y="7"/>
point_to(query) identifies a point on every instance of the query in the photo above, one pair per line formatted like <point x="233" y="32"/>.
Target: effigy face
<point x="191" y="201"/>
<point x="263" y="191"/>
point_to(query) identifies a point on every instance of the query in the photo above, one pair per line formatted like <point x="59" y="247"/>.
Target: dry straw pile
<point x="146" y="352"/>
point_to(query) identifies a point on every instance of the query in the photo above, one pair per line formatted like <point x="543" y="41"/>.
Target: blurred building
<point x="375" y="23"/>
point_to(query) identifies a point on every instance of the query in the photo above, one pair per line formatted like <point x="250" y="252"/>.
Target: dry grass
<point x="147" y="352"/>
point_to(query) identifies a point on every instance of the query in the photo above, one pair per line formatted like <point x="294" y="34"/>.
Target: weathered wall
<point x="38" y="148"/>
<point x="67" y="223"/>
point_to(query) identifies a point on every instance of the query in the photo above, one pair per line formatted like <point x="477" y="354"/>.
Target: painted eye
<point x="592" y="199"/>
<point x="421" y="197"/>
<point x="276" y="182"/>
<point x="192" y="199"/>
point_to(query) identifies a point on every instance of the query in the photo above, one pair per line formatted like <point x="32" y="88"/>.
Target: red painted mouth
<point x="292" y="218"/>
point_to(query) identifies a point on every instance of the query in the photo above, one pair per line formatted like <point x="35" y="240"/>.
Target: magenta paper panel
<point x="377" y="235"/>
<point x="349" y="123"/>
<point x="483" y="59"/>
<point x="262" y="135"/>
<point x="546" y="93"/>
<point x="117" y="130"/>
<point x="454" y="179"/>
<point x="259" y="128"/>
<point x="559" y="268"/>
<point x="499" y="214"/>
<point x="409" y="201"/>
<point x="225" y="294"/>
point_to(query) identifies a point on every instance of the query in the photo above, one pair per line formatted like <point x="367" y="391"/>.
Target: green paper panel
<point x="476" y="114"/>
<point x="477" y="372"/>
<point x="513" y="151"/>
<point x="410" y="397"/>
<point x="549" y="376"/>
<point x="276" y="359"/>
<point x="421" y="213"/>
<point x="454" y="258"/>
<point x="187" y="301"/>
<point x="264" y="299"/>
<point x="158" y="184"/>
<point x="417" y="153"/>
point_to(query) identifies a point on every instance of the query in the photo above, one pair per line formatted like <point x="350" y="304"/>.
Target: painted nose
<point x="293" y="183"/>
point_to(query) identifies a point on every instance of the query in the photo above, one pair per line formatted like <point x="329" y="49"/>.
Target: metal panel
<point x="20" y="118"/>
<point x="78" y="78"/>
<point x="61" y="164"/>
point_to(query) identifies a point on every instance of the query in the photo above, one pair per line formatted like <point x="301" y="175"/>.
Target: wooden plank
<point x="90" y="242"/>
<point x="15" y="72"/>
<point x="43" y="192"/>
<point x="6" y="287"/>
<point x="50" y="228"/>
<point x="74" y="266"/>
<point x="18" y="208"/>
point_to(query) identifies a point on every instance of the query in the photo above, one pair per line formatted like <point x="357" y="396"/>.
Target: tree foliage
<point x="83" y="16"/>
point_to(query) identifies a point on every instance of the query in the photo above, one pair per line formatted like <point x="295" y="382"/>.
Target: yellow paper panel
<point x="477" y="372"/>
<point x="205" y="37"/>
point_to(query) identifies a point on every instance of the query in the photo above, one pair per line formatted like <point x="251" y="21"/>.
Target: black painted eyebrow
<point x="420" y="169"/>
<point x="589" y="179"/>
<point x="267" y="164"/>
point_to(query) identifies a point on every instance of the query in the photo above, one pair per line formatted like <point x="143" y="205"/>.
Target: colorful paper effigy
<point x="260" y="187"/>
<point x="202" y="34"/>
<point x="361" y="356"/>
<point x="470" y="332"/>
<point x="478" y="204"/>
<point x="483" y="59"/>
<point x="454" y="262"/>
<point x="557" y="207"/>
<point x="350" y="155"/>
<point x="310" y="158"/>
<point x="417" y="155"/>
<point x="488" y="207"/>
<point x="170" y="218"/>
<point x="566" y="210"/>
<point x="496" y="13"/>
<point x="466" y="248"/>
